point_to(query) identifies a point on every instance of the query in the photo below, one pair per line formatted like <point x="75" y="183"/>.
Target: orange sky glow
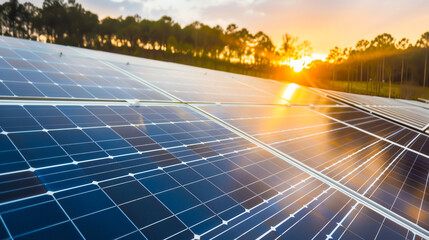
<point x="325" y="23"/>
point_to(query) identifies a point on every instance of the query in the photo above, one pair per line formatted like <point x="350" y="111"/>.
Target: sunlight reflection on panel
<point x="290" y="90"/>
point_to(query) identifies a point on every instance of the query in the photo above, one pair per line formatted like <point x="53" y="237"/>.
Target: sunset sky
<point x="324" y="23"/>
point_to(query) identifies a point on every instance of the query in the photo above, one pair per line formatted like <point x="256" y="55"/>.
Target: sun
<point x="299" y="64"/>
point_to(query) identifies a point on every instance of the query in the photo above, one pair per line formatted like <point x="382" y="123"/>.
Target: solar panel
<point x="356" y="155"/>
<point x="27" y="73"/>
<point x="192" y="84"/>
<point x="289" y="92"/>
<point x="410" y="113"/>
<point x="196" y="154"/>
<point x="200" y="85"/>
<point x="195" y="167"/>
<point x="414" y="102"/>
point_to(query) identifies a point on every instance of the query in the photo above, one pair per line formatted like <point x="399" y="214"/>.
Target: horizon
<point x="315" y="22"/>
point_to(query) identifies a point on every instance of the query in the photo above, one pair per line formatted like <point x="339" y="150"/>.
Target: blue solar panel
<point x="388" y="167"/>
<point x="202" y="85"/>
<point x="191" y="180"/>
<point x="65" y="76"/>
<point x="75" y="168"/>
<point x="407" y="112"/>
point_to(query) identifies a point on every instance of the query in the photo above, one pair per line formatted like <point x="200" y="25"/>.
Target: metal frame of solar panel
<point x="97" y="145"/>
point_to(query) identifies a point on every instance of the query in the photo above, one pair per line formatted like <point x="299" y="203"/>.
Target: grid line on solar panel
<point x="299" y="122"/>
<point x="234" y="150"/>
<point x="73" y="77"/>
<point x="269" y="216"/>
<point x="93" y="130"/>
<point x="197" y="85"/>
<point x="315" y="156"/>
<point x="83" y="52"/>
<point x="413" y="140"/>
<point x="192" y="88"/>
<point x="372" y="134"/>
<point x="403" y="196"/>
<point x="348" y="180"/>
<point x="172" y="213"/>
<point x="241" y="83"/>
<point x="237" y="221"/>
<point x="290" y="92"/>
<point x="374" y="182"/>
<point x="402" y="112"/>
<point x="271" y="230"/>
<point x="392" y="144"/>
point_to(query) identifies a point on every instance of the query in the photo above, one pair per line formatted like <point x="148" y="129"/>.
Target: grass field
<point x="397" y="90"/>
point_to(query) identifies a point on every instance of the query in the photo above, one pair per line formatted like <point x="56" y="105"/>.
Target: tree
<point x="264" y="47"/>
<point x="80" y="24"/>
<point x="130" y="30"/>
<point x="231" y="40"/>
<point x="31" y="19"/>
<point x="423" y="42"/>
<point x="402" y="45"/>
<point x="243" y="37"/>
<point x="345" y="55"/>
<point x="383" y="41"/>
<point x="335" y="57"/>
<point x="304" y="50"/>
<point x="288" y="47"/>
<point x="108" y="28"/>
<point x="12" y="13"/>
<point x="361" y="47"/>
<point x="171" y="44"/>
<point x="54" y="17"/>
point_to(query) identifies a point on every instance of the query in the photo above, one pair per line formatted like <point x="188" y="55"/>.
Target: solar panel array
<point x="412" y="113"/>
<point x="95" y="145"/>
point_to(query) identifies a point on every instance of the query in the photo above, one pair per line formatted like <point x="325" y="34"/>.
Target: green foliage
<point x="67" y="22"/>
<point x="376" y="63"/>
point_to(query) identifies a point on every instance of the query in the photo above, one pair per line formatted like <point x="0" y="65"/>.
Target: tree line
<point x="69" y="23"/>
<point x="381" y="61"/>
<point x="235" y="49"/>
